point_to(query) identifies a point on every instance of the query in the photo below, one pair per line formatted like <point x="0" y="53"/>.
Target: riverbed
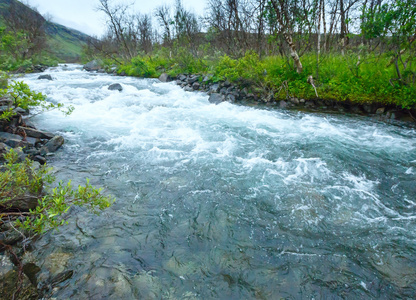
<point x="226" y="201"/>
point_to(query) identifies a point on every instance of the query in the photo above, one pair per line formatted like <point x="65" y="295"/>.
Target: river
<point x="226" y="201"/>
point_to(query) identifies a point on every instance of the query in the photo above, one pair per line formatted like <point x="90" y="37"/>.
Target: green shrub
<point x="22" y="180"/>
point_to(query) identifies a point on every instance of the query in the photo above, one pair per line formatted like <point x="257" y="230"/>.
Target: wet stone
<point x="54" y="144"/>
<point x="45" y="77"/>
<point x="115" y="87"/>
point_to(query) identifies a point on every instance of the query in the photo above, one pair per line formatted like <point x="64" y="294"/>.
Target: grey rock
<point x="196" y="86"/>
<point x="302" y="101"/>
<point x="188" y="88"/>
<point x="122" y="73"/>
<point x="309" y="104"/>
<point x="46" y="77"/>
<point x="37" y="133"/>
<point x="178" y="82"/>
<point x="6" y="100"/>
<point x="54" y="144"/>
<point x="193" y="79"/>
<point x="223" y="91"/>
<point x="226" y="84"/>
<point x="380" y="111"/>
<point x="21" y="111"/>
<point x="230" y="98"/>
<point x="40" y="159"/>
<point x="181" y="77"/>
<point x="12" y="140"/>
<point x="368" y="108"/>
<point x="214" y="88"/>
<point x="10" y="237"/>
<point x="207" y="78"/>
<point x="295" y="101"/>
<point x="115" y="87"/>
<point x="94" y="65"/>
<point x="164" y="77"/>
<point x="215" y="98"/>
<point x="283" y="104"/>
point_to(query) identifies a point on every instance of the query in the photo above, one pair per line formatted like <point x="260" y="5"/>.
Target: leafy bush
<point x="19" y="181"/>
<point x="22" y="96"/>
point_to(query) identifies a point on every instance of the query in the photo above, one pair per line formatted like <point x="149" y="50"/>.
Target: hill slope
<point x="64" y="43"/>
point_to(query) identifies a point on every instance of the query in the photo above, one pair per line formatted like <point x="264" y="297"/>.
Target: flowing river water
<point x="226" y="201"/>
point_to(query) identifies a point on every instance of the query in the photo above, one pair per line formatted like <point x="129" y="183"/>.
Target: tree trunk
<point x="287" y="34"/>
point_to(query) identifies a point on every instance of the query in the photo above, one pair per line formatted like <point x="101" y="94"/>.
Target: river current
<point x="226" y="201"/>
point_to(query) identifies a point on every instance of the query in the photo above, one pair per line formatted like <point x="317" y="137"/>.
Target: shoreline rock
<point x="229" y="92"/>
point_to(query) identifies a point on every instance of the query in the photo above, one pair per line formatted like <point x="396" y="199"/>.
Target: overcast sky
<point x="82" y="14"/>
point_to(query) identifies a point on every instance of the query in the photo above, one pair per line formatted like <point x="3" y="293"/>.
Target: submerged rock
<point x="46" y="77"/>
<point x="115" y="87"/>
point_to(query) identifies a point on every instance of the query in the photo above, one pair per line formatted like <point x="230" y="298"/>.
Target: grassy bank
<point x="354" y="78"/>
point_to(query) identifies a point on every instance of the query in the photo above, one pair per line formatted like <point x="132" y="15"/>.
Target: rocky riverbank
<point x="227" y="91"/>
<point x="18" y="279"/>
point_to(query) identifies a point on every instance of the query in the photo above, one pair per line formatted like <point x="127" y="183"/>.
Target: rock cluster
<point x="230" y="92"/>
<point x="35" y="144"/>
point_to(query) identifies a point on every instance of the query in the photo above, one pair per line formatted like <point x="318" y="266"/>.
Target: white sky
<point x="82" y="14"/>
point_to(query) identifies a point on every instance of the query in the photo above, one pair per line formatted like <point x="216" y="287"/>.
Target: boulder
<point x="295" y="101"/>
<point x="54" y="144"/>
<point x="9" y="237"/>
<point x="40" y="159"/>
<point x="193" y="79"/>
<point x="21" y="111"/>
<point x="115" y="87"/>
<point x="47" y="77"/>
<point x="380" y="111"/>
<point x="215" y="98"/>
<point x="12" y="140"/>
<point x="94" y="65"/>
<point x="164" y="77"/>
<point x="214" y="88"/>
<point x="226" y="84"/>
<point x="39" y="68"/>
<point x="196" y="86"/>
<point x="181" y="77"/>
<point x="283" y="104"/>
<point x="37" y="133"/>
<point x="230" y="98"/>
<point x="207" y="78"/>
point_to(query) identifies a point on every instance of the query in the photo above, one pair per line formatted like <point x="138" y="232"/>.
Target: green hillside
<point x="64" y="43"/>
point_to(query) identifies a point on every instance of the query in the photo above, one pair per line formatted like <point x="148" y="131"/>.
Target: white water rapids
<point x="227" y="201"/>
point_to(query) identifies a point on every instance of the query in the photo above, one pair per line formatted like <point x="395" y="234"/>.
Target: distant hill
<point x="65" y="43"/>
